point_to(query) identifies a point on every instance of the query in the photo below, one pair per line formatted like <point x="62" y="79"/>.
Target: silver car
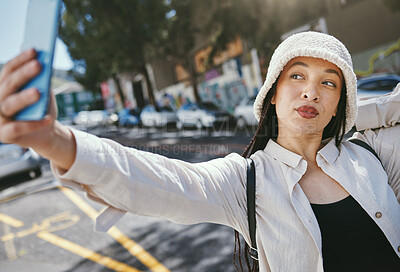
<point x="244" y="113"/>
<point x="157" y="117"/>
<point x="376" y="85"/>
<point x="16" y="160"/>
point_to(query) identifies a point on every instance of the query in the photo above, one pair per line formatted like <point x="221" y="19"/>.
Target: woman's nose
<point x="310" y="93"/>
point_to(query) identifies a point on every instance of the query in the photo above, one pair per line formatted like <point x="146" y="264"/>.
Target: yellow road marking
<point x="9" y="245"/>
<point x="136" y="250"/>
<point x="11" y="221"/>
<point x="85" y="253"/>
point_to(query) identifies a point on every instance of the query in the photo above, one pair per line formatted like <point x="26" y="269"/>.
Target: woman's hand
<point x="48" y="137"/>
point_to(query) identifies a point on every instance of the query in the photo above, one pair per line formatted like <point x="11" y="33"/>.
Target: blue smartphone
<point x="41" y="28"/>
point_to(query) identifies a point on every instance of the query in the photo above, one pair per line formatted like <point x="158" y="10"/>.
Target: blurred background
<point x="127" y="54"/>
<point x="173" y="77"/>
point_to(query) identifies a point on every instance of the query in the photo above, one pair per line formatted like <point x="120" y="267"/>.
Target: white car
<point x="199" y="115"/>
<point x="91" y="119"/>
<point x="157" y="117"/>
<point x="244" y="113"/>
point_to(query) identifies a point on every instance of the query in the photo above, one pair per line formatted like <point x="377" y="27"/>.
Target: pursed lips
<point x="307" y="112"/>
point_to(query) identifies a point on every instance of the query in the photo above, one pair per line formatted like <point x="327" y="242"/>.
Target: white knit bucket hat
<point x="317" y="45"/>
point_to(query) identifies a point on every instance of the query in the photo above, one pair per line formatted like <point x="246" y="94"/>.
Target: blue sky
<point x="12" y="21"/>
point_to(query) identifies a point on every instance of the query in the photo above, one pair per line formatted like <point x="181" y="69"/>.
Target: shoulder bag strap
<point x="251" y="206"/>
<point x="366" y="146"/>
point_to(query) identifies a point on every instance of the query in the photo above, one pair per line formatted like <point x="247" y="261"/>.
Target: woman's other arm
<point x="380" y="117"/>
<point x="381" y="111"/>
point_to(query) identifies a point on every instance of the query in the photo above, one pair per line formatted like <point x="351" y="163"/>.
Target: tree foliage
<point x="178" y="43"/>
<point x="393" y="5"/>
<point x="259" y="22"/>
<point x="107" y="38"/>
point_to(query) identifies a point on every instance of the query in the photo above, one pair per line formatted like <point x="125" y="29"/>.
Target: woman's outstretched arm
<point x="48" y="137"/>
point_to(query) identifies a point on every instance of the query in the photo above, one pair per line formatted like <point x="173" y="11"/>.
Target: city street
<point x="48" y="228"/>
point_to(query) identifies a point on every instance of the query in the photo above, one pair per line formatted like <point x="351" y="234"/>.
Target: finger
<point x="19" y="77"/>
<point x="11" y="132"/>
<point x="16" y="102"/>
<point x="16" y="62"/>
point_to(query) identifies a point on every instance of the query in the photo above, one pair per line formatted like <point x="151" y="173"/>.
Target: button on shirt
<point x="288" y="235"/>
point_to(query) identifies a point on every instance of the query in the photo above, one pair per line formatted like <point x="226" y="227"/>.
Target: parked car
<point x="244" y="113"/>
<point x="205" y="114"/>
<point x="129" y="117"/>
<point x="376" y="85"/>
<point x="90" y="119"/>
<point x="152" y="116"/>
<point x="111" y="118"/>
<point x="16" y="160"/>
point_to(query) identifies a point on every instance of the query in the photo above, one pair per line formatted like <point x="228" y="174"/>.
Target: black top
<point x="351" y="240"/>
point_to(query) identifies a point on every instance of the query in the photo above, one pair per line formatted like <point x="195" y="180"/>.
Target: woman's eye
<point x="296" y="76"/>
<point x="328" y="83"/>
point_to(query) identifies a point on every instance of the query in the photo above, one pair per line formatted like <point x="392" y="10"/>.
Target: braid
<point x="336" y="127"/>
<point x="267" y="128"/>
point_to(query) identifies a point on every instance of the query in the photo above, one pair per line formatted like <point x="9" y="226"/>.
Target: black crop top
<point x="351" y="240"/>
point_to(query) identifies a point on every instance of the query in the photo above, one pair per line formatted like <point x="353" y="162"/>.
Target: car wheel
<point x="241" y="123"/>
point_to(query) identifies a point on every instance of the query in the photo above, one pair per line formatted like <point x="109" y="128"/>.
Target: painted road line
<point x="9" y="245"/>
<point x="135" y="249"/>
<point x="85" y="253"/>
<point x="11" y="221"/>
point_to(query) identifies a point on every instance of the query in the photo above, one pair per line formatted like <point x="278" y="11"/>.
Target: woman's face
<point x="307" y="94"/>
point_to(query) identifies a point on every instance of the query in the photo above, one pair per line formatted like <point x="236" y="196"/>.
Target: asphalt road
<point x="48" y="228"/>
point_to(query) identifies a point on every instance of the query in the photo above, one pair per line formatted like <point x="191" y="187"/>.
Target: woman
<point x="307" y="177"/>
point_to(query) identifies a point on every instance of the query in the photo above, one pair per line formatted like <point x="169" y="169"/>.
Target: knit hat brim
<point x="316" y="45"/>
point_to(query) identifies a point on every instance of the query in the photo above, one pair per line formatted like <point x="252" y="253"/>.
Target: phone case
<point x="41" y="28"/>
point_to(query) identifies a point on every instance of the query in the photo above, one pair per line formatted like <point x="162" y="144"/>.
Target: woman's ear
<point x="273" y="100"/>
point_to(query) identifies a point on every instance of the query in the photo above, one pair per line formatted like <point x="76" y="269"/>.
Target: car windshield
<point x="251" y="101"/>
<point x="165" y="109"/>
<point x="388" y="84"/>
<point x="208" y="106"/>
<point x="189" y="107"/>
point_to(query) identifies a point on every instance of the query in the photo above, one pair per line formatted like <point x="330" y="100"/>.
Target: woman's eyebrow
<point x="298" y="63"/>
<point x="333" y="72"/>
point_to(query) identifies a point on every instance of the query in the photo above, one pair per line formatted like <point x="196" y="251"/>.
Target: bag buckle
<point x="253" y="253"/>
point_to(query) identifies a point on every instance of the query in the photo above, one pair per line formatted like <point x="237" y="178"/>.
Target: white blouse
<point x="288" y="235"/>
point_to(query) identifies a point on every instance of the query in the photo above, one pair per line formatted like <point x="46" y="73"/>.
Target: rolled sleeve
<point x="381" y="111"/>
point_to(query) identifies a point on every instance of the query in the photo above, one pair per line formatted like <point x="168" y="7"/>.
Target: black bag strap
<point x="251" y="206"/>
<point x="366" y="146"/>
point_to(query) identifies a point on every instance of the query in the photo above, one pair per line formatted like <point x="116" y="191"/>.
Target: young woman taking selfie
<point x="321" y="203"/>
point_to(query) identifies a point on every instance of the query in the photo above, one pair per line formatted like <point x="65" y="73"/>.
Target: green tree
<point x="259" y="22"/>
<point x="393" y="5"/>
<point x="108" y="38"/>
<point x="178" y="41"/>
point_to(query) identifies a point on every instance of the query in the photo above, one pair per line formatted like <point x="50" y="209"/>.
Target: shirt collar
<point x="329" y="153"/>
<point x="281" y="154"/>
